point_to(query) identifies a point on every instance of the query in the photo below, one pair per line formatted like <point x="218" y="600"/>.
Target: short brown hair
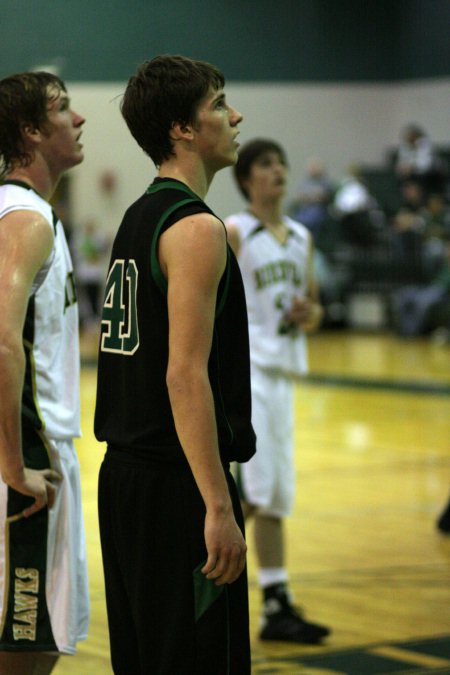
<point x="24" y="100"/>
<point x="165" y="90"/>
<point x="249" y="153"/>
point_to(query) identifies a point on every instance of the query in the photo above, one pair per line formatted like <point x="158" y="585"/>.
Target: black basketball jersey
<point x="133" y="410"/>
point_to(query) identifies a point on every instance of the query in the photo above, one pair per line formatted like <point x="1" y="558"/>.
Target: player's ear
<point x="181" y="131"/>
<point x="31" y="133"/>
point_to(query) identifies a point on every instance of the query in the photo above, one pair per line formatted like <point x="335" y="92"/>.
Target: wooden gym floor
<point x="365" y="557"/>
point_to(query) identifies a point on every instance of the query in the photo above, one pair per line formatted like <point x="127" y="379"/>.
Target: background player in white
<point x="44" y="605"/>
<point x="276" y="260"/>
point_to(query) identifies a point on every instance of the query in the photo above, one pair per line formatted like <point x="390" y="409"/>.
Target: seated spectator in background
<point x="421" y="309"/>
<point x="418" y="160"/>
<point x="408" y="225"/>
<point x="436" y="232"/>
<point x="437" y="217"/>
<point x="314" y="196"/>
<point x="412" y="195"/>
<point x="311" y="209"/>
<point x="356" y="209"/>
<point x="420" y="229"/>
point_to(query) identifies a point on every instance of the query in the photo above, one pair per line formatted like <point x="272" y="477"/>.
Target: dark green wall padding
<point x="250" y="40"/>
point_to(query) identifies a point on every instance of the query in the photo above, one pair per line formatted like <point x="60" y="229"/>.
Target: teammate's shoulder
<point x="20" y="193"/>
<point x="243" y="221"/>
<point x="24" y="219"/>
<point x="240" y="216"/>
<point x="297" y="227"/>
<point x="25" y="203"/>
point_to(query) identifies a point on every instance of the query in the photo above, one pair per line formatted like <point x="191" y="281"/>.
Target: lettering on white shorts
<point x="26" y="587"/>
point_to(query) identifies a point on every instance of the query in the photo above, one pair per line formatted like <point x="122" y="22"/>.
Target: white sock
<point x="268" y="576"/>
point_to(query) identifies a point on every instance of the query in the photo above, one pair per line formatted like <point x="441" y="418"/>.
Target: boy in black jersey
<point x="173" y="397"/>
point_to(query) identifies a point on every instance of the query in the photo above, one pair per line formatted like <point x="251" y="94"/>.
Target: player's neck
<point x="190" y="173"/>
<point x="269" y="213"/>
<point x="37" y="179"/>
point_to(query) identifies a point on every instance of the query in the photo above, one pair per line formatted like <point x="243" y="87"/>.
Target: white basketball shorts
<point x="44" y="599"/>
<point x="267" y="480"/>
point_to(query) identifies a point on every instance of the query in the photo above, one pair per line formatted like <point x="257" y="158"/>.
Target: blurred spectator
<point x="421" y="309"/>
<point x="408" y="226"/>
<point x="90" y="246"/>
<point x="412" y="195"/>
<point x="437" y="217"/>
<point x="420" y="230"/>
<point x="436" y="232"/>
<point x="314" y="195"/>
<point x="357" y="210"/>
<point x="418" y="160"/>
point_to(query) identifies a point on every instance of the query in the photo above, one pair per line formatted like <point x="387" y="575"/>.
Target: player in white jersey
<point x="275" y="255"/>
<point x="44" y="604"/>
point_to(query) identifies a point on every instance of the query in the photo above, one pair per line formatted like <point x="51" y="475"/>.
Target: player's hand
<point x="226" y="549"/>
<point x="300" y="310"/>
<point x="305" y="313"/>
<point x="39" y="484"/>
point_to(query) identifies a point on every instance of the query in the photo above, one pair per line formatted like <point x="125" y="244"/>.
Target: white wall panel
<point x="340" y="123"/>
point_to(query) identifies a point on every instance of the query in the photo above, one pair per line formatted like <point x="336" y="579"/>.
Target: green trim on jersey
<point x="174" y="185"/>
<point x="158" y="277"/>
<point x="22" y="184"/>
<point x="31" y="412"/>
<point x="156" y="270"/>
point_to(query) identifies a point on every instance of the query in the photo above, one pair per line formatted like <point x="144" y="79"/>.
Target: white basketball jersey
<point x="273" y="274"/>
<point x="51" y="341"/>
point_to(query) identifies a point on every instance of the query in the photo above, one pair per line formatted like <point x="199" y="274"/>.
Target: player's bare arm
<point x="307" y="312"/>
<point x="193" y="257"/>
<point x="234" y="238"/>
<point x="26" y="240"/>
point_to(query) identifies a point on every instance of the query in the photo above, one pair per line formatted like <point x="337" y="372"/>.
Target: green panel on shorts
<point x="26" y="621"/>
<point x="205" y="592"/>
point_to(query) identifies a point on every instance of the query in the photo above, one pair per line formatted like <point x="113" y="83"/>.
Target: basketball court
<point x="373" y="473"/>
